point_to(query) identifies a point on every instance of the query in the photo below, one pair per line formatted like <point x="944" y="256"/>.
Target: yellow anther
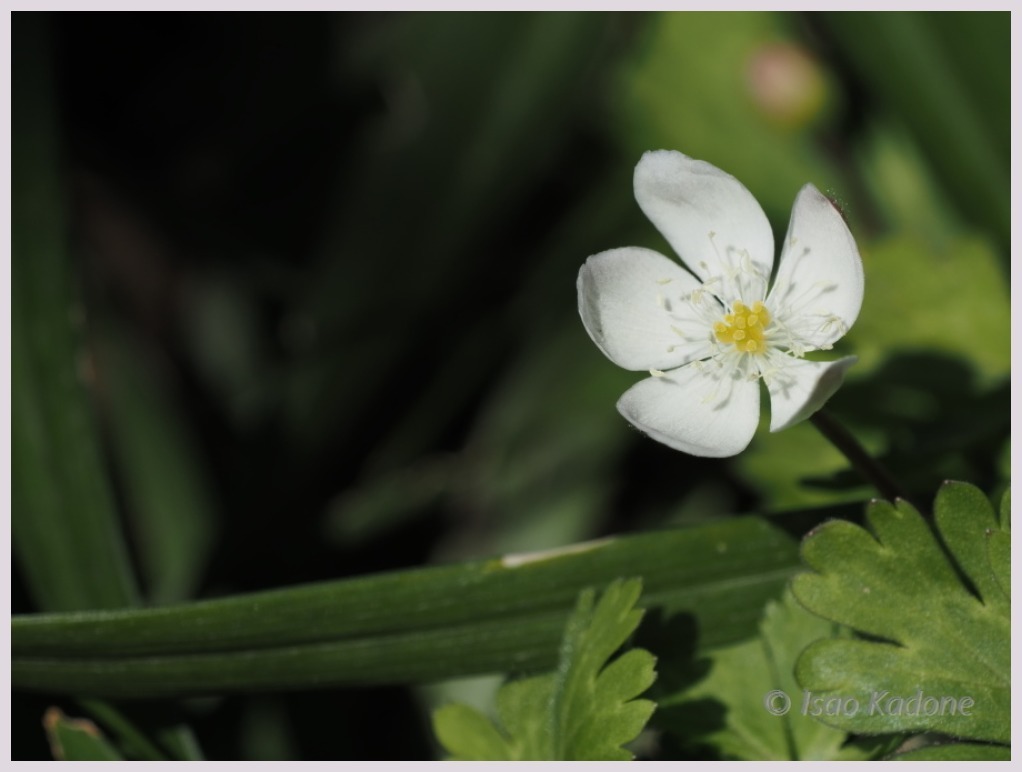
<point x="744" y="327"/>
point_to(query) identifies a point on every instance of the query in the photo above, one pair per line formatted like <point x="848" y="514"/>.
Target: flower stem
<point x="867" y="467"/>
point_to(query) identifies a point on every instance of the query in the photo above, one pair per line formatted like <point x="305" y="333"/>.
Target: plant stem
<point x="867" y="467"/>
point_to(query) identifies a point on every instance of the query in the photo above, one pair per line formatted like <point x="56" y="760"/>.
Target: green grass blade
<point x="168" y="496"/>
<point x="427" y="624"/>
<point x="65" y="533"/>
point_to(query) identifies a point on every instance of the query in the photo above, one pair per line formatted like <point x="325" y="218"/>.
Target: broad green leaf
<point x="937" y="657"/>
<point x="74" y="739"/>
<point x="967" y="521"/>
<point x="932" y="380"/>
<point x="957" y="752"/>
<point x="764" y="714"/>
<point x="585" y="710"/>
<point x="999" y="547"/>
<point x="498" y="615"/>
<point x="999" y="555"/>
<point x="468" y="735"/>
<point x="949" y="298"/>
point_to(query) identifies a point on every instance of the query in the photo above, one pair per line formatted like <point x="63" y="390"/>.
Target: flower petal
<point x="818" y="289"/>
<point x="799" y="388"/>
<point x="710" y="219"/>
<point x="695" y="409"/>
<point x="631" y="303"/>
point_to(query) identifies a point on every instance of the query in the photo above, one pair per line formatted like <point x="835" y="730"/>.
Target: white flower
<point x="708" y="336"/>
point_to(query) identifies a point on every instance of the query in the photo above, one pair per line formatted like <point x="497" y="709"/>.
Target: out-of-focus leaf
<point x="65" y="532"/>
<point x="536" y="468"/>
<point x="454" y="152"/>
<point x="947" y="76"/>
<point x="586" y="710"/>
<point x="690" y="89"/>
<point x="75" y="739"/>
<point x="168" y="496"/>
<point x="132" y="743"/>
<point x="499" y="615"/>
<point x="539" y="460"/>
<point x="938" y="657"/>
<point x="389" y="499"/>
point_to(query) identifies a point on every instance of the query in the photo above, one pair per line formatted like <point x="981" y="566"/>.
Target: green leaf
<point x="473" y="145"/>
<point x="946" y="76"/>
<point x="943" y="659"/>
<point x="64" y="527"/>
<point x="468" y="735"/>
<point x="429" y="624"/>
<point x="999" y="547"/>
<point x="957" y="752"/>
<point x="174" y="741"/>
<point x="586" y="710"/>
<point x="938" y="378"/>
<point x="74" y="739"/>
<point x="159" y="463"/>
<point x="594" y="706"/>
<point x="967" y="521"/>
<point x="960" y="279"/>
<point x="680" y="93"/>
<point x="765" y="714"/>
<point x="999" y="555"/>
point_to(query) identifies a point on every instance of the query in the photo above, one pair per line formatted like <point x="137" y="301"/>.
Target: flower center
<point x="744" y="328"/>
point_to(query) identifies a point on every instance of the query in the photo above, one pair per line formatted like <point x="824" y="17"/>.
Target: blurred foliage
<point x="73" y="739"/>
<point x="329" y="261"/>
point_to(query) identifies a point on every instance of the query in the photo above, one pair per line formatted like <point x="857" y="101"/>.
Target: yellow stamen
<point x="744" y="327"/>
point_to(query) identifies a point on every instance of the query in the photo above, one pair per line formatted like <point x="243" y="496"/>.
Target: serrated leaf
<point x="957" y="752"/>
<point x="585" y="710"/>
<point x="74" y="739"/>
<point x="765" y="715"/>
<point x="468" y="735"/>
<point x="943" y="663"/>
<point x="999" y="555"/>
<point x="966" y="520"/>
<point x="524" y="710"/>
